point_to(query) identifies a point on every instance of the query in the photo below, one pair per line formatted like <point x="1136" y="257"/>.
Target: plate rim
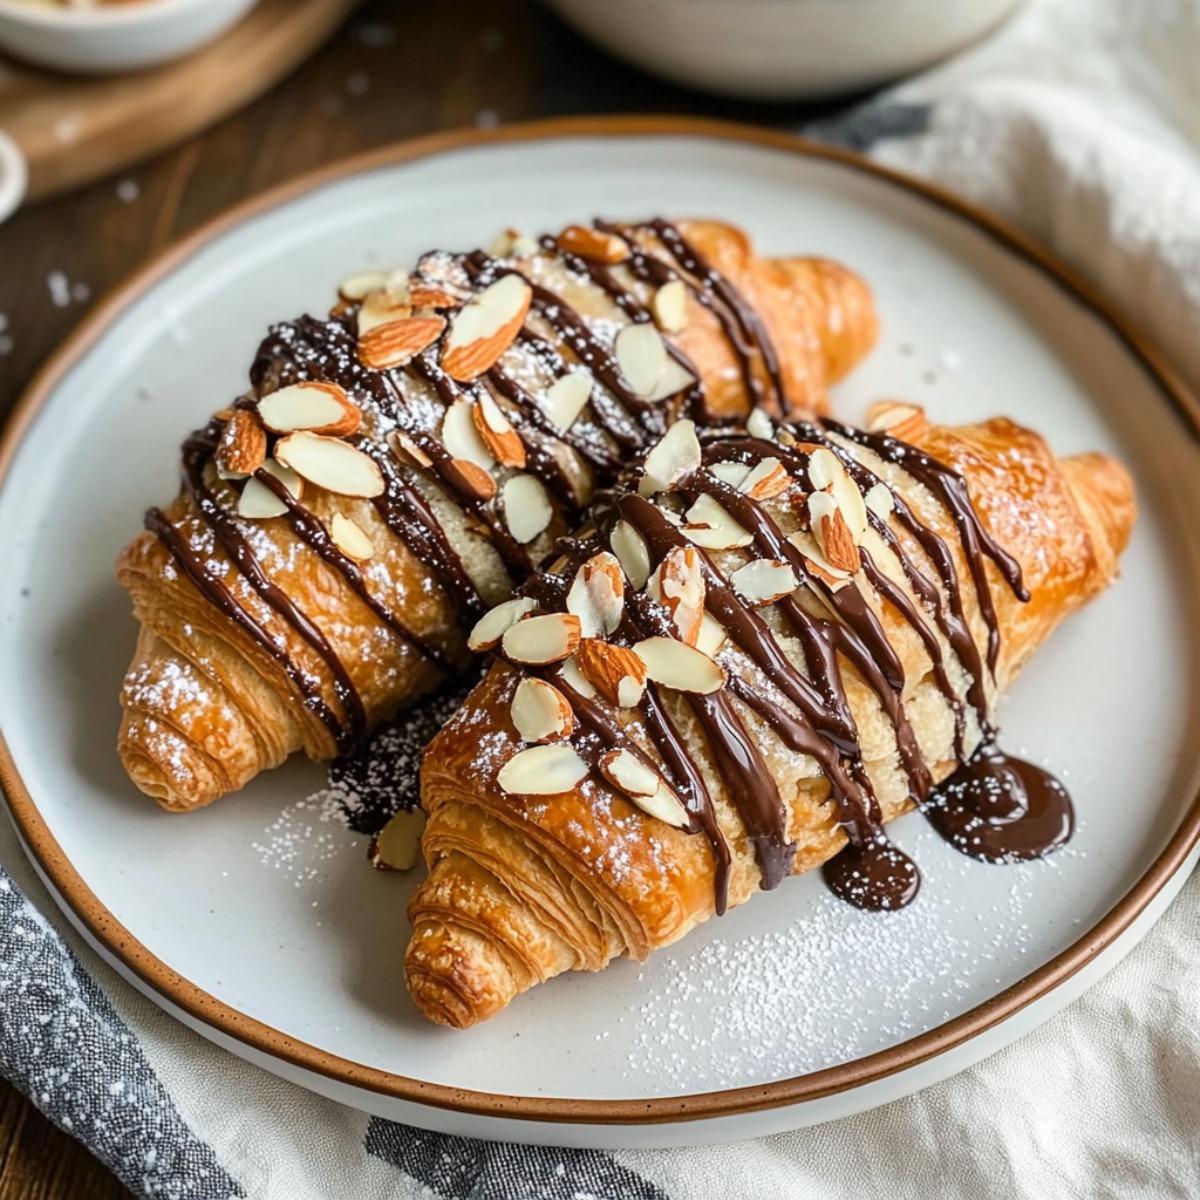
<point x="69" y="887"/>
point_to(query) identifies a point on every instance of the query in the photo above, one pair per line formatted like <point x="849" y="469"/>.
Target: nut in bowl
<point x="107" y="36"/>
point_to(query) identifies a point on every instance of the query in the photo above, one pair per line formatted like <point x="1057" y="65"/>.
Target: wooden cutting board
<point x="73" y="129"/>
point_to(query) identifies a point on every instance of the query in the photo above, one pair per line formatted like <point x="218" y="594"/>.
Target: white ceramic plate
<point x="257" y="920"/>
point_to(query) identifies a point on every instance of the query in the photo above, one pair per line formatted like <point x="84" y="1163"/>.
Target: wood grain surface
<point x="395" y="70"/>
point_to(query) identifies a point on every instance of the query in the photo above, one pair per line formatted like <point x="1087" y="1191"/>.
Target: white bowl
<point x="780" y="49"/>
<point x="119" y="38"/>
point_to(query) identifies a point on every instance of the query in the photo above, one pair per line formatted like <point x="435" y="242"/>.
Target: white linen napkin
<point x="1080" y="120"/>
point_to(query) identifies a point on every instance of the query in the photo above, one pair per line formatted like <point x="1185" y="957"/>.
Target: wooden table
<point x="396" y="70"/>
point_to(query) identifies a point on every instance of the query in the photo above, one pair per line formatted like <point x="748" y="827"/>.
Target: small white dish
<point x="782" y="49"/>
<point x="108" y="39"/>
<point x="257" y="921"/>
<point x="14" y="176"/>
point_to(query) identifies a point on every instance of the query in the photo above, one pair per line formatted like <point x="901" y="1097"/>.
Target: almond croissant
<point x="398" y="467"/>
<point x="767" y="646"/>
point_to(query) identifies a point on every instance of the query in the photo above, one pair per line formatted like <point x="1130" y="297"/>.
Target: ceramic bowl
<point x="118" y="38"/>
<point x="782" y="49"/>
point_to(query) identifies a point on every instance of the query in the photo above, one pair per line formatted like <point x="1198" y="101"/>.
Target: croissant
<point x="766" y="646"/>
<point x="398" y="467"/>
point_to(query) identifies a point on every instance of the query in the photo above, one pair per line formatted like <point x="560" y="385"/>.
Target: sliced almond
<point x="468" y="479"/>
<point x="398" y="342"/>
<point x="383" y="307"/>
<point x="597" y="595"/>
<point x="712" y="635"/>
<point x="733" y="474"/>
<point x="423" y="295"/>
<point x="350" y="538"/>
<point x="827" y="473"/>
<point x="543" y="771"/>
<point x="397" y="846"/>
<point x="816" y="563"/>
<point x="644" y="786"/>
<point x="594" y="245"/>
<point x="575" y="679"/>
<point x="512" y="243"/>
<point x="359" y="287"/>
<point x="674" y="457"/>
<point x="681" y="590"/>
<point x="834" y="536"/>
<point x="880" y="501"/>
<point x="766" y="481"/>
<point x="540" y="712"/>
<point x="461" y="437"/>
<point x="540" y="640"/>
<point x="567" y="397"/>
<point x="243" y="445"/>
<point x="760" y="425"/>
<point x="675" y="379"/>
<point x="905" y="422"/>
<point x="258" y="502"/>
<point x="316" y="406"/>
<point x="408" y="451"/>
<point x="677" y="665"/>
<point x="527" y="508"/>
<point x="630" y="548"/>
<point x="618" y="674"/>
<point x="764" y="581"/>
<point x="642" y="356"/>
<point x="495" y="429"/>
<point x="494" y="623"/>
<point x="485" y="327"/>
<point x="670" y="306"/>
<point x="711" y="526"/>
<point x="331" y="463"/>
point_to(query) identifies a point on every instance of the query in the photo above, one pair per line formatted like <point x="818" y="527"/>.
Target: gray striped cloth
<point x="1080" y="119"/>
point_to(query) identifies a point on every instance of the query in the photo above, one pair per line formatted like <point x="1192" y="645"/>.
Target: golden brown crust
<point x="645" y="883"/>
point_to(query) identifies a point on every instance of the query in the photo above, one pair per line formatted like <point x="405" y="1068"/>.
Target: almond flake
<point x="710" y="525"/>
<point x="597" y="595"/>
<point x="675" y="379"/>
<point x="543" y="771"/>
<point x="816" y="563"/>
<point x="644" y="786"/>
<point x="494" y="623"/>
<point x="383" y="307"/>
<point x="593" y="245"/>
<point x="670" y="306"/>
<point x="575" y="679"/>
<point x="243" y="445"/>
<point x="468" y="479"/>
<point x="313" y="405"/>
<point x="827" y="473"/>
<point x="905" y="422"/>
<point x="680" y="586"/>
<point x="630" y="548"/>
<point x="642" y="356"/>
<point x="880" y="501"/>
<point x="618" y="674"/>
<point x="512" y="244"/>
<point x="397" y="846"/>
<point x="760" y="425"/>
<point x="485" y="327"/>
<point x="407" y="450"/>
<point x="331" y="463"/>
<point x="766" y="481"/>
<point x="675" y="456"/>
<point x="677" y="665"/>
<point x="258" y="502"/>
<point x="422" y="295"/>
<point x="350" y="538"/>
<point x="764" y="581"/>
<point x="527" y="508"/>
<point x="567" y="397"/>
<point x="540" y="712"/>
<point x="540" y="640"/>
<point x="359" y="287"/>
<point x="460" y="435"/>
<point x="733" y="474"/>
<point x="838" y="543"/>
<point x="712" y="635"/>
<point x="495" y="429"/>
<point x="398" y="342"/>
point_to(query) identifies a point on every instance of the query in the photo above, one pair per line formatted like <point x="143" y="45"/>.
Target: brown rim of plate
<point x="166" y="983"/>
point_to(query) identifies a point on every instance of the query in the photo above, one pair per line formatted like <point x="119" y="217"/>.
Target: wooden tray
<point x="73" y="130"/>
